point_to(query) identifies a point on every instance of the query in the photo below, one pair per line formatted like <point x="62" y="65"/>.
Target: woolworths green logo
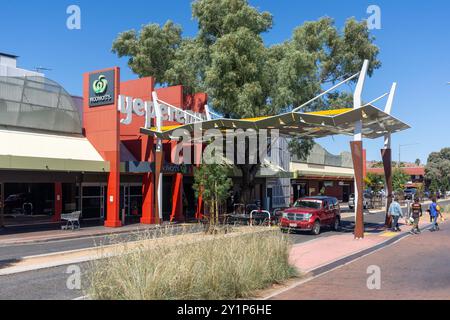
<point x="101" y="85"/>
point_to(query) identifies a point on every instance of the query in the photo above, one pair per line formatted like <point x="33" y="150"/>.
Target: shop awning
<point x="376" y="123"/>
<point x="34" y="151"/>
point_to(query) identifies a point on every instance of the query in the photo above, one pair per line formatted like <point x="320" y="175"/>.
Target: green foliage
<point x="211" y="182"/>
<point x="244" y="77"/>
<point x="301" y="148"/>
<point x="399" y="179"/>
<point x="437" y="170"/>
<point x="192" y="267"/>
<point x="374" y="181"/>
<point x="151" y="50"/>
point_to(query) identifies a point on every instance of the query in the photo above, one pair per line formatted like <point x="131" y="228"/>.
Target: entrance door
<point x="93" y="201"/>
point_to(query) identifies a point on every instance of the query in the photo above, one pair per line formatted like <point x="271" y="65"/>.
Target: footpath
<point x="317" y="257"/>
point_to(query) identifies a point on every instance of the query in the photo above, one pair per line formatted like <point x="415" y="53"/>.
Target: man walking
<point x="416" y="213"/>
<point x="395" y="211"/>
<point x="434" y="213"/>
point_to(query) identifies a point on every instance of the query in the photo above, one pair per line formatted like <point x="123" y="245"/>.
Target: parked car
<point x="367" y="201"/>
<point x="410" y="193"/>
<point x="311" y="214"/>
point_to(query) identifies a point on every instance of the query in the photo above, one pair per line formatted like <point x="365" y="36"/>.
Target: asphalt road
<point x="44" y="284"/>
<point x="50" y="284"/>
<point x="18" y="251"/>
<point x="415" y="268"/>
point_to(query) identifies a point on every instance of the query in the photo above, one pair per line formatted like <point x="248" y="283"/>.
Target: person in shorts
<point x="416" y="213"/>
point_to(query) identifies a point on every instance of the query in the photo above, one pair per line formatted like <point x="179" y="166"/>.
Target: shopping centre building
<point x="323" y="173"/>
<point x="60" y="153"/>
<point x="109" y="154"/>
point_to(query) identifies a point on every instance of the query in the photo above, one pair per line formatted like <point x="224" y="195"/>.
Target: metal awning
<point x="376" y="123"/>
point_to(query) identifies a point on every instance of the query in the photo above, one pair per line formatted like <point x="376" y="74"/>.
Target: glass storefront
<point x="94" y="201"/>
<point x="28" y="199"/>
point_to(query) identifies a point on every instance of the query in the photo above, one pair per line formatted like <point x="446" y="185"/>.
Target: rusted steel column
<point x="386" y="155"/>
<point x="357" y="156"/>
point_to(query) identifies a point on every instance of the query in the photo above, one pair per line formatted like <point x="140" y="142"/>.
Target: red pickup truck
<point x="311" y="214"/>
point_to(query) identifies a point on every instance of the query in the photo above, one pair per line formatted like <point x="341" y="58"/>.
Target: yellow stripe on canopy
<point x="333" y="112"/>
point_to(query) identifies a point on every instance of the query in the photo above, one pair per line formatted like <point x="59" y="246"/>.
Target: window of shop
<point x="29" y="199"/>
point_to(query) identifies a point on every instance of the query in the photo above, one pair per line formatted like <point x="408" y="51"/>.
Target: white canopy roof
<point x="37" y="145"/>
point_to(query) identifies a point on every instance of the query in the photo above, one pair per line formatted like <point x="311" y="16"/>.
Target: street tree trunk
<point x="248" y="182"/>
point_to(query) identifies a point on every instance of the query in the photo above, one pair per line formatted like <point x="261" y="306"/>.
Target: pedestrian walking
<point x="395" y="211"/>
<point x="416" y="213"/>
<point x="435" y="213"/>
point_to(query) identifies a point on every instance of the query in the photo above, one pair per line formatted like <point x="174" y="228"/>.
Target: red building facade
<point x="114" y="139"/>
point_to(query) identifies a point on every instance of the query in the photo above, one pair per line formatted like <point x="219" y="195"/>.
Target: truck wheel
<point x="316" y="228"/>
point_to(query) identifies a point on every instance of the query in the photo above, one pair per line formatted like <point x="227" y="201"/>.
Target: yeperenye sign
<point x="102" y="88"/>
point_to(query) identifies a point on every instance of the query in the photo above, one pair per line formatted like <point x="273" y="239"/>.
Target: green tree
<point x="212" y="183"/>
<point x="244" y="77"/>
<point x="374" y="181"/>
<point x="418" y="162"/>
<point x="399" y="179"/>
<point x="437" y="170"/>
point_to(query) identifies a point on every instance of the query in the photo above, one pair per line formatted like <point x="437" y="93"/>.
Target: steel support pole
<point x="357" y="155"/>
<point x="386" y="154"/>
<point x="159" y="159"/>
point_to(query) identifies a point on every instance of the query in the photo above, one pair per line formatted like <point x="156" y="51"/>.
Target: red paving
<point x="417" y="267"/>
<point x="313" y="254"/>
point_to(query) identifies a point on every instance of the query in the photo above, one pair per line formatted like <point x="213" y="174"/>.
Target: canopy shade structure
<point x="376" y="124"/>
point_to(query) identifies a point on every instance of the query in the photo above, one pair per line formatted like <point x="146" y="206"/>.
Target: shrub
<point x="217" y="267"/>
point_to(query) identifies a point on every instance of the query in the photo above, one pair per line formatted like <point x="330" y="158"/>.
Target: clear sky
<point x="414" y="40"/>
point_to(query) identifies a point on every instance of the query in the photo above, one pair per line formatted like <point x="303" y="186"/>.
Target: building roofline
<point x="8" y="55"/>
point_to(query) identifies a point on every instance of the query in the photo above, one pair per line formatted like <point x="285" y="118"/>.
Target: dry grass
<point x="193" y="267"/>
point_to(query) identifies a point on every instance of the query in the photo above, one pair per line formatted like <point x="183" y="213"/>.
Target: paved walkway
<point x="52" y="235"/>
<point x="313" y="254"/>
<point x="415" y="268"/>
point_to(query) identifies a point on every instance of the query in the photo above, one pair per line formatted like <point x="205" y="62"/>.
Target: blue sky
<point x="414" y="43"/>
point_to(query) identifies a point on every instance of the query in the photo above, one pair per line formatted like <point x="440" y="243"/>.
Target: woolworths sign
<point x="101" y="88"/>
